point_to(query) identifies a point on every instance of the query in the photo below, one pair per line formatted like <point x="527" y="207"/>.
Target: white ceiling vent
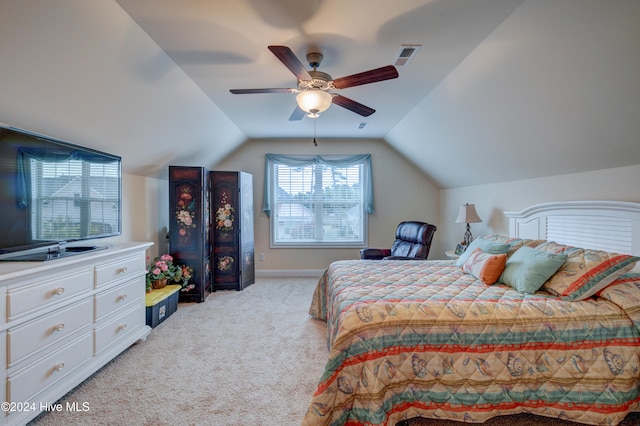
<point x="406" y="54"/>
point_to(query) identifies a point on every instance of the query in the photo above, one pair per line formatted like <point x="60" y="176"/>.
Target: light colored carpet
<point x="240" y="358"/>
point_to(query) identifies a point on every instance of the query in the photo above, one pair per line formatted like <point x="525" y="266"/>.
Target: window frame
<point x="336" y="161"/>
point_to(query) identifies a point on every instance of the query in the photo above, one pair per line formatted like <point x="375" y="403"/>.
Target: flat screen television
<point x="53" y="194"/>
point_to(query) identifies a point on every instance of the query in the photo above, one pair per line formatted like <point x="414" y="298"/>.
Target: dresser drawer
<point x="27" y="382"/>
<point x="111" y="300"/>
<point x="126" y="267"/>
<point x="115" y="329"/>
<point x="53" y="327"/>
<point x="37" y="296"/>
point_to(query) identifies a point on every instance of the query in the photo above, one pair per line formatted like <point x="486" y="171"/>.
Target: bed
<point x="432" y="339"/>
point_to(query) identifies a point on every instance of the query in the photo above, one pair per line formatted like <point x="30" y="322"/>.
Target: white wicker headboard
<point x="601" y="225"/>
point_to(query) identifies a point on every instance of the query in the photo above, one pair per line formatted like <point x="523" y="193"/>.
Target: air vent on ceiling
<point x="406" y="54"/>
<point x="362" y="125"/>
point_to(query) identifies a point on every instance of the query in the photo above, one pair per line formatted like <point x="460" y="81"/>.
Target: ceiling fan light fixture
<point x="314" y="101"/>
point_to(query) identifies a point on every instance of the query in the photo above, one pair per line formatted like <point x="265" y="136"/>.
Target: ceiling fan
<point x="315" y="87"/>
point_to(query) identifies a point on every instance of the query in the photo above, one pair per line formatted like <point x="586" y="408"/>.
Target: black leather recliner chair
<point x="413" y="242"/>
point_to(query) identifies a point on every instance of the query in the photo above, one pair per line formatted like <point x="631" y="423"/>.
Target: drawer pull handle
<point x="59" y="327"/>
<point x="122" y="327"/>
<point x="59" y="291"/>
<point x="122" y="297"/>
<point x="122" y="270"/>
<point x="59" y="366"/>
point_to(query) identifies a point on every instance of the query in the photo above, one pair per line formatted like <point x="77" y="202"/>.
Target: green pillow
<point x="528" y="268"/>
<point x="486" y="246"/>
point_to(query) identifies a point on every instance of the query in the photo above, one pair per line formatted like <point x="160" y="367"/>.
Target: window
<point x="313" y="200"/>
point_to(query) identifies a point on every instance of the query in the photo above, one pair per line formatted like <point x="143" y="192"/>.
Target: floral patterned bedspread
<point x="422" y="338"/>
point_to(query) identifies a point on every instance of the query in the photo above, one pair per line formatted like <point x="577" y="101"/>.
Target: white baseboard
<point x="289" y="273"/>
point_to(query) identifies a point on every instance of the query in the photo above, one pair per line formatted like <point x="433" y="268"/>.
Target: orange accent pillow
<point x="486" y="267"/>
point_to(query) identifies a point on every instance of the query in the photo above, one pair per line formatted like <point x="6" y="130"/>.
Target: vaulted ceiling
<point x="222" y="45"/>
<point x="499" y="90"/>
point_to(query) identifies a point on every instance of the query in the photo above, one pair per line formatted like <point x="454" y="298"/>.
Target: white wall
<point x="553" y="90"/>
<point x="145" y="212"/>
<point x="401" y="192"/>
<point x="491" y="200"/>
<point x="85" y="72"/>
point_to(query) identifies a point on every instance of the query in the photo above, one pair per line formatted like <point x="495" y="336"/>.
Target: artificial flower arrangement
<point x="162" y="270"/>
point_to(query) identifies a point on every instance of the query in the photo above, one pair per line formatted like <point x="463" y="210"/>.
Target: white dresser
<point x="61" y="320"/>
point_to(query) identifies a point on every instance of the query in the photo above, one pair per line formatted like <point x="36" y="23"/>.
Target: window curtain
<point x="307" y="160"/>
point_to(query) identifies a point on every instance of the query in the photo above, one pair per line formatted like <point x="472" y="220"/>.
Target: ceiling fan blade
<point x="289" y="59"/>
<point x="250" y="91"/>
<point x="379" y="74"/>
<point x="352" y="105"/>
<point x="297" y="114"/>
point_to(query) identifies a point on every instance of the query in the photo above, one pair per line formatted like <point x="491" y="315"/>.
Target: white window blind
<point x="318" y="204"/>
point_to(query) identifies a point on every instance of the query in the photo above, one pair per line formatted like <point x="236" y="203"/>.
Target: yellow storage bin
<point x="160" y="304"/>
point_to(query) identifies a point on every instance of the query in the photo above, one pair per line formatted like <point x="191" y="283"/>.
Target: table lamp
<point x="467" y="214"/>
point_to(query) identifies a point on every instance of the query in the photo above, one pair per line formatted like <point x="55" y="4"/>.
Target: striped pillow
<point x="586" y="271"/>
<point x="486" y="267"/>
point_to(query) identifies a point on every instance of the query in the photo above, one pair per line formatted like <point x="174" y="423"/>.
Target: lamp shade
<point x="468" y="214"/>
<point x="314" y="101"/>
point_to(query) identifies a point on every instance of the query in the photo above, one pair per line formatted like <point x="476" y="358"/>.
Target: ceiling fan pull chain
<point x="315" y="120"/>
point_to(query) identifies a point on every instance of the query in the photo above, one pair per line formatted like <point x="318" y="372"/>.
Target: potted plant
<point x="162" y="271"/>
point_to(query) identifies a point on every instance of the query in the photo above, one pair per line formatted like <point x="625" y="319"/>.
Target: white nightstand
<point x="451" y="254"/>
